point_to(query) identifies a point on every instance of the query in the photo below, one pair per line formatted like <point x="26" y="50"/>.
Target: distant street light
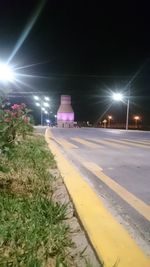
<point x="120" y="97"/>
<point x="47" y="98"/>
<point x="104" y="122"/>
<point x="48" y="121"/>
<point x="42" y="104"/>
<point x="36" y="97"/>
<point x="109" y="120"/>
<point x="37" y="104"/>
<point x="137" y="118"/>
<point x="45" y="104"/>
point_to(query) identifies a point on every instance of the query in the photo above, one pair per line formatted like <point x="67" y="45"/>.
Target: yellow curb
<point x="110" y="240"/>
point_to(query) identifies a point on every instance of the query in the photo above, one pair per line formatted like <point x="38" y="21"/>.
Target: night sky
<point x="86" y="49"/>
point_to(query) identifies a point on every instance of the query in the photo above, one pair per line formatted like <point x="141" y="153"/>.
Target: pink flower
<point x="16" y="107"/>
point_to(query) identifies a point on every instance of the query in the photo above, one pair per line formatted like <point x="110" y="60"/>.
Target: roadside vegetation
<point x="33" y="228"/>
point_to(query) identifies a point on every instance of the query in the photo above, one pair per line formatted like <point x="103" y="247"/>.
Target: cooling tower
<point x="65" y="113"/>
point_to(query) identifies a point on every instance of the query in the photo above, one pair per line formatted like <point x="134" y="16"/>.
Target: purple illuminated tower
<point x="65" y="113"/>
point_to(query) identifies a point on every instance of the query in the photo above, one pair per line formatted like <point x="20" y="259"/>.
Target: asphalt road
<point x="116" y="164"/>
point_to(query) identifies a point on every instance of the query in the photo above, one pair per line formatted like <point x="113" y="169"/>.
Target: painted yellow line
<point x="106" y="142"/>
<point x="64" y="143"/>
<point x="131" y="199"/>
<point x="86" y="143"/>
<point x="108" y="237"/>
<point x="137" y="141"/>
<point x="127" y="143"/>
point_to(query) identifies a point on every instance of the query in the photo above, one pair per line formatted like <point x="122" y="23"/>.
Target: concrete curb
<point x="110" y="240"/>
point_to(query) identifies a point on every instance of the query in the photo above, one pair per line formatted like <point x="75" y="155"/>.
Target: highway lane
<point x="125" y="158"/>
<point x="116" y="164"/>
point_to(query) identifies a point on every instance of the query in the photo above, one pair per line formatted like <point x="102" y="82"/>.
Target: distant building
<point x="65" y="113"/>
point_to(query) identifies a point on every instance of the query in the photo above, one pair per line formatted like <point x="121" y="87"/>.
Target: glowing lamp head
<point x="117" y="96"/>
<point x="6" y="73"/>
<point x="36" y="97"/>
<point x="136" y="118"/>
<point x="47" y="98"/>
<point x="37" y="104"/>
<point x="45" y="104"/>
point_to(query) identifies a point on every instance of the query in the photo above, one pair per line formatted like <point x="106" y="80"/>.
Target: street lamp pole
<point x="127" y="117"/>
<point x="128" y="109"/>
<point x="119" y="97"/>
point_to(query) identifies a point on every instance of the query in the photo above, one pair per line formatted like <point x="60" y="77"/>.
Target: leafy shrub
<point x="14" y="123"/>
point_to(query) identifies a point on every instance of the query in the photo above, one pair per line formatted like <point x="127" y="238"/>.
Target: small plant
<point x="14" y="123"/>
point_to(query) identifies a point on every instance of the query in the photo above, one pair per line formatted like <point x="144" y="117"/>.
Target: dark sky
<point x="87" y="49"/>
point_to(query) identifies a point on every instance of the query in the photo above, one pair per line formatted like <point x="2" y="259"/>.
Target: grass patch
<point x="33" y="231"/>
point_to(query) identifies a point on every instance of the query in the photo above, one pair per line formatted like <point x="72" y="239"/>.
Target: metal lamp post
<point x="127" y="116"/>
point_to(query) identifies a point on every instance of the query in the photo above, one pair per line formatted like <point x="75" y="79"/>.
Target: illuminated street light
<point x="37" y="104"/>
<point x="105" y="122"/>
<point x="117" y="96"/>
<point x="36" y="97"/>
<point x="120" y="97"/>
<point x="41" y="102"/>
<point x="137" y="118"/>
<point x="6" y="73"/>
<point x="47" y="98"/>
<point x="109" y="120"/>
<point x="47" y="120"/>
<point x="45" y="104"/>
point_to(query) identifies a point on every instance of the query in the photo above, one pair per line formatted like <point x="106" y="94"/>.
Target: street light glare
<point x="36" y="97"/>
<point x="47" y="98"/>
<point x="37" y="104"/>
<point x="136" y="117"/>
<point x="6" y="73"/>
<point x="117" y="96"/>
<point x="45" y="104"/>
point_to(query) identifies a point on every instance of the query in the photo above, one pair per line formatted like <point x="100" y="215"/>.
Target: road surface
<point x="116" y="164"/>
